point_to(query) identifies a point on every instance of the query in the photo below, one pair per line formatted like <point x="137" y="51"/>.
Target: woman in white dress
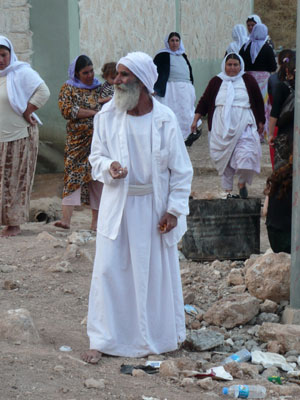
<point x="174" y="86"/>
<point x="235" y="111"/>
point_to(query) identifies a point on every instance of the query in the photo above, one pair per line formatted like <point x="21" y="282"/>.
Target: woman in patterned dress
<point x="79" y="102"/>
<point x="22" y="91"/>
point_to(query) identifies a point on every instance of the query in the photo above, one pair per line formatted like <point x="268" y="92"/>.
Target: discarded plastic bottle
<point x="241" y="356"/>
<point x="245" y="391"/>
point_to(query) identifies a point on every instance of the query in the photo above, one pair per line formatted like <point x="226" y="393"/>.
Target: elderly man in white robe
<point x="136" y="305"/>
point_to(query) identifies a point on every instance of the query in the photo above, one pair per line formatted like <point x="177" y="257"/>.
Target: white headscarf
<point x="255" y="17"/>
<point x="230" y="89"/>
<point x="142" y="66"/>
<point x="166" y="49"/>
<point x="240" y="37"/>
<point x="257" y="39"/>
<point x="22" y="80"/>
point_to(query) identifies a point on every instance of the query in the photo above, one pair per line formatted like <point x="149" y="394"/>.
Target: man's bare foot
<point x="91" y="356"/>
<point x="10" y="231"/>
<point x="60" y="224"/>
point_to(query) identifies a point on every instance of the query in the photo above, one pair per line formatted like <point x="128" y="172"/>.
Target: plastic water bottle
<point x="241" y="356"/>
<point x="245" y="391"/>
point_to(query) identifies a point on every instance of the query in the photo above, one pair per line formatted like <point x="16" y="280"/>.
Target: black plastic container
<point x="222" y="229"/>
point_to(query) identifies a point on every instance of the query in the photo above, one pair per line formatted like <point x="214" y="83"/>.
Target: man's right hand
<point x="116" y="171"/>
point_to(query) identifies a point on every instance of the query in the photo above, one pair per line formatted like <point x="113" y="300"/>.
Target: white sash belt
<point x="140" y="190"/>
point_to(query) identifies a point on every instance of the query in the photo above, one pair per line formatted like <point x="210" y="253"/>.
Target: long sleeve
<point x="40" y="96"/>
<point x="99" y="158"/>
<point x="181" y="174"/>
<point x="206" y="104"/>
<point x="162" y="61"/>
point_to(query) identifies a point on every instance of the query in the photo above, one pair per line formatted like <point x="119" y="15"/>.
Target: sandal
<point x="233" y="196"/>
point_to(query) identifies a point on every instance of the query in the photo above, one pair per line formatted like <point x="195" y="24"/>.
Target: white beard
<point x="127" y="98"/>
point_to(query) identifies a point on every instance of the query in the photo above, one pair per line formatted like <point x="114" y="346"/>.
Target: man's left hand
<point x="167" y="223"/>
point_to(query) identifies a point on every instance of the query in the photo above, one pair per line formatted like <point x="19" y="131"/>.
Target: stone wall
<point x="14" y="23"/>
<point x="108" y="30"/>
<point x="206" y="25"/>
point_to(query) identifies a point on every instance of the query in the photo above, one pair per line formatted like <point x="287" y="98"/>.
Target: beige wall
<point x="14" y="24"/>
<point x="110" y="29"/>
<point x="206" y="25"/>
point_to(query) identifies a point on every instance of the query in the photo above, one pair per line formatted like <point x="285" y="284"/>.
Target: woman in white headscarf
<point x="260" y="61"/>
<point x="239" y="36"/>
<point x="22" y="91"/>
<point x="235" y="111"/>
<point x="174" y="86"/>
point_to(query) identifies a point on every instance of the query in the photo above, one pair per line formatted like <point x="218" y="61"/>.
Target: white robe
<point x="226" y="131"/>
<point x="136" y="304"/>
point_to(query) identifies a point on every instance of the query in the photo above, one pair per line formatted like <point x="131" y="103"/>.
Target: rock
<point x="45" y="237"/>
<point x="189" y="298"/>
<point x="235" y="277"/>
<point x="195" y="325"/>
<point x="216" y="264"/>
<point x="268" y="306"/>
<point x="138" y="373"/>
<point x="63" y="266"/>
<point x="187" y="382"/>
<point x="80" y="238"/>
<point x="271" y="371"/>
<point x="269" y="277"/>
<point x="92" y="383"/>
<point x="168" y="368"/>
<point x="17" y="325"/>
<point x="11" y="285"/>
<point x="203" y="339"/>
<point x="238" y="289"/>
<point x="267" y="317"/>
<point x="274" y="347"/>
<point x="59" y="368"/>
<point x="8" y="268"/>
<point x="232" y="310"/>
<point x="251" y="345"/>
<point x="72" y="252"/>
<point x="206" y="383"/>
<point x="286" y="335"/>
<point x="184" y="363"/>
<point x="242" y="370"/>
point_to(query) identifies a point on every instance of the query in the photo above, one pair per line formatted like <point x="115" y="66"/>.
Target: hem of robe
<point x="132" y="351"/>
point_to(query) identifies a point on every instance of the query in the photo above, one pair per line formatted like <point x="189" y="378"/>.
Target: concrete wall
<point x="14" y="24"/>
<point x="109" y="30"/>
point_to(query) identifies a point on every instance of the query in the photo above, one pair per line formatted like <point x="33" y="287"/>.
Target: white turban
<point x="142" y="66"/>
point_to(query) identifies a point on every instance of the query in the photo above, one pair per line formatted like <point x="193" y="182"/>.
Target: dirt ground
<point x="58" y="301"/>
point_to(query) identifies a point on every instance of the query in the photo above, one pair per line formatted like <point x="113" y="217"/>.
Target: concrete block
<point x="291" y="316"/>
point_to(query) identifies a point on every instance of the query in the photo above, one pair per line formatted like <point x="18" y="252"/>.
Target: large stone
<point x="17" y="325"/>
<point x="232" y="310"/>
<point x="242" y="370"/>
<point x="267" y="317"/>
<point x="168" y="368"/>
<point x="203" y="339"/>
<point x="235" y="277"/>
<point x="268" y="306"/>
<point x="286" y="335"/>
<point x="269" y="277"/>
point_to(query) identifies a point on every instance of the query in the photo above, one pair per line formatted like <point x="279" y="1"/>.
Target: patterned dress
<point x="79" y="137"/>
